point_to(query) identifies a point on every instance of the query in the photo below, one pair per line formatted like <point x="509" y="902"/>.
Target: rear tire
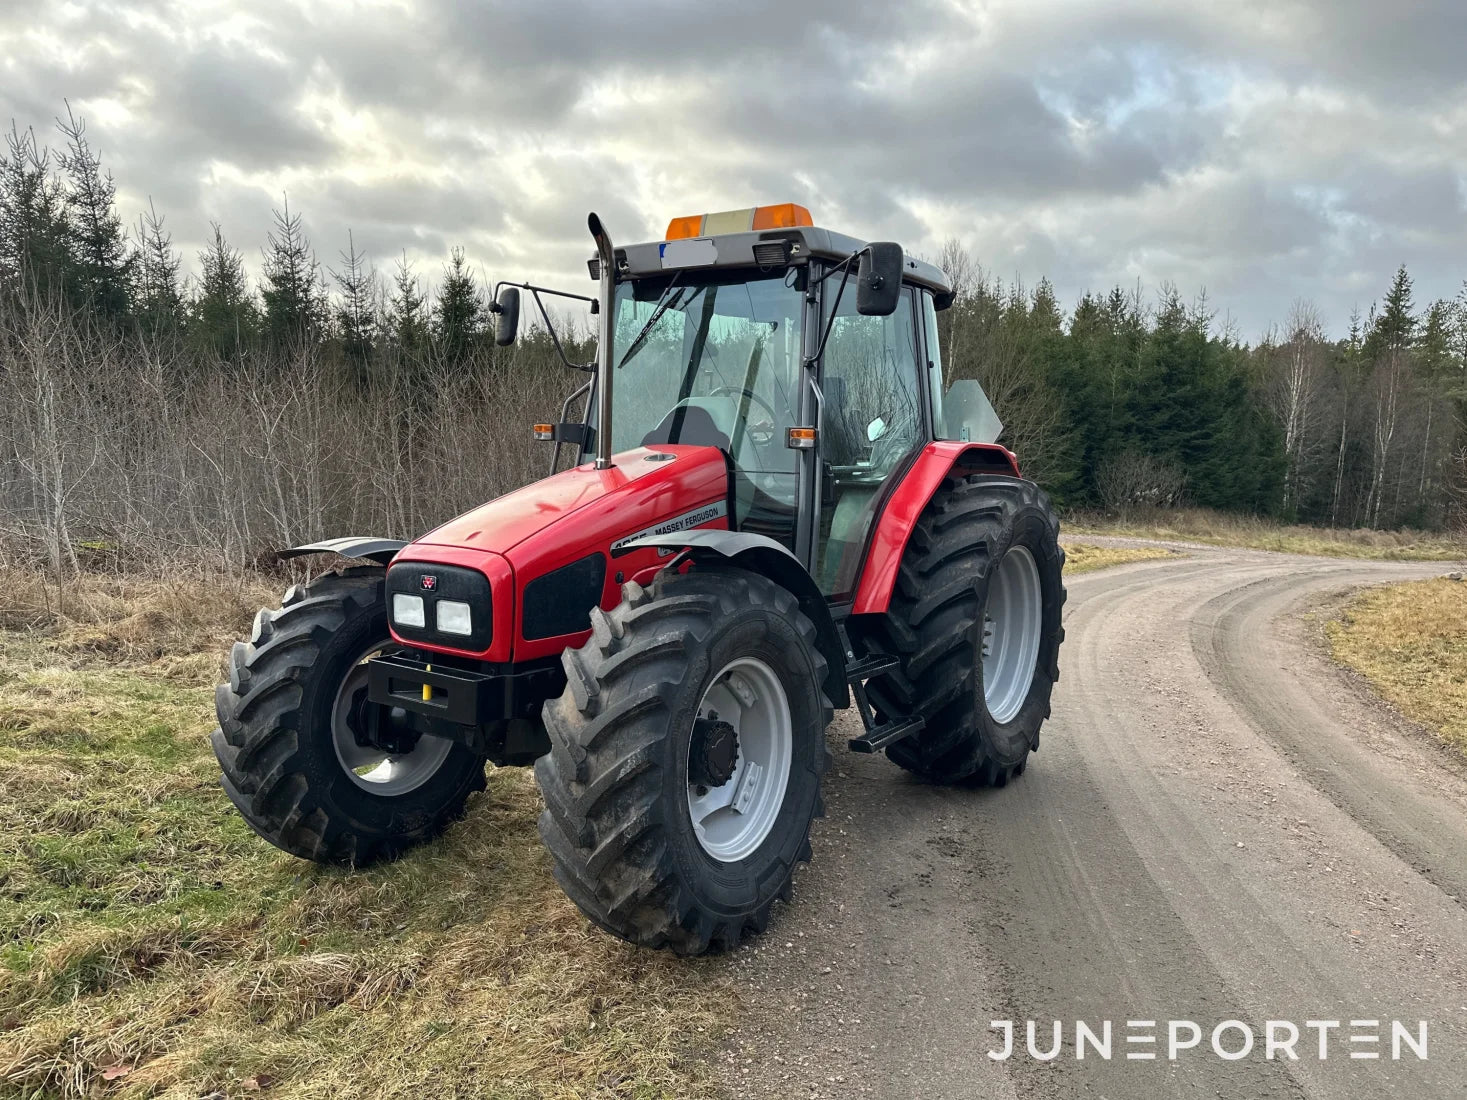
<point x="626" y="817"/>
<point x="985" y="546"/>
<point x="298" y="778"/>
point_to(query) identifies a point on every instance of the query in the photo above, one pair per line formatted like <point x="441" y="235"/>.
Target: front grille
<point x="447" y="582"/>
<point x="560" y="602"/>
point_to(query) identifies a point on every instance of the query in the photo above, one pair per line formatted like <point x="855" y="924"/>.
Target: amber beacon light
<point x="785" y="215"/>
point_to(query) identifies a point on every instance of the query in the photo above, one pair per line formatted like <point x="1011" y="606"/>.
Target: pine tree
<point x="458" y="315"/>
<point x="34" y="250"/>
<point x="1348" y="362"/>
<point x="1435" y="373"/>
<point x="1394" y="326"/>
<point x="102" y="279"/>
<point x="223" y="316"/>
<point x="1459" y="329"/>
<point x="1387" y="348"/>
<point x="159" y="301"/>
<point x="407" y="316"/>
<point x="357" y="314"/>
<point x="293" y="304"/>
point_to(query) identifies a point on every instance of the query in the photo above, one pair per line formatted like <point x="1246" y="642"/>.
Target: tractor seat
<point x="691" y="425"/>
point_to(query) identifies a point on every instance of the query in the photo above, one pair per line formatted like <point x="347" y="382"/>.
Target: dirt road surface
<point x="1219" y="825"/>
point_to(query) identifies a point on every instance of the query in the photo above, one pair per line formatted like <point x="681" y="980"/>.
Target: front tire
<point x="975" y="619"/>
<point x="286" y="745"/>
<point x="661" y="831"/>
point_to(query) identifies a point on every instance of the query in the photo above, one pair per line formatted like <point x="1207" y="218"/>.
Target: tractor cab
<point x="809" y="358"/>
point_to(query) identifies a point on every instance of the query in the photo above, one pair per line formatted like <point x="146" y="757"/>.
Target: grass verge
<point x="151" y="945"/>
<point x="1084" y="557"/>
<point x="1220" y="529"/>
<point x="1410" y="642"/>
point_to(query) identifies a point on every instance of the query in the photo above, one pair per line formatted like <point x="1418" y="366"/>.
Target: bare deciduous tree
<point x="1132" y="480"/>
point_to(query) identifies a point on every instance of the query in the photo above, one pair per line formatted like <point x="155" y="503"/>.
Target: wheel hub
<point x="714" y="753"/>
<point x="1012" y="627"/>
<point x="739" y="759"/>
<point x="391" y="759"/>
<point x="377" y="727"/>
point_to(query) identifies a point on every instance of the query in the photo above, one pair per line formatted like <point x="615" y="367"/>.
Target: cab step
<point x="886" y="734"/>
<point x="867" y="667"/>
<point x="858" y="671"/>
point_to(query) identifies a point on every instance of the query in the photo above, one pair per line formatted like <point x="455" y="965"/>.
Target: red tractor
<point x="778" y="512"/>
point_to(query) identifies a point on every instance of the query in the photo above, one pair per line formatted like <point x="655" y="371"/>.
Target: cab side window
<point x="872" y="421"/>
<point x="872" y="409"/>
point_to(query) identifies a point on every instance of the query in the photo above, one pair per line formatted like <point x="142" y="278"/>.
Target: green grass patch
<point x="152" y="945"/>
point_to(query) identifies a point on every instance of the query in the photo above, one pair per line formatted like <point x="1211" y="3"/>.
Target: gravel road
<point x="1219" y="825"/>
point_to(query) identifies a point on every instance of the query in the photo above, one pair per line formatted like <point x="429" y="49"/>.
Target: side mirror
<point x="875" y="430"/>
<point x="879" y="279"/>
<point x="507" y="316"/>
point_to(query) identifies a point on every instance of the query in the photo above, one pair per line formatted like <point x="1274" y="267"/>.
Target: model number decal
<point x="685" y="522"/>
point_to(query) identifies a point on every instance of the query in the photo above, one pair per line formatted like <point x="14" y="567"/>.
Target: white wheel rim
<point x="731" y="821"/>
<point x="1012" y="621"/>
<point x="373" y="769"/>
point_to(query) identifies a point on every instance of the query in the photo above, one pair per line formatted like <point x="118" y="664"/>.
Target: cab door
<point x="874" y="420"/>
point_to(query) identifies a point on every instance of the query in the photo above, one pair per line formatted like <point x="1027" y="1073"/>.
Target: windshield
<point x="709" y="359"/>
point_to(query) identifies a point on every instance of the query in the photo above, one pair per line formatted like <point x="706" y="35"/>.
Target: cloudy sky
<point x="1261" y="149"/>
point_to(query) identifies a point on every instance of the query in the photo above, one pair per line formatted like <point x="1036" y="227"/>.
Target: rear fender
<point x="761" y="554"/>
<point x="905" y="506"/>
<point x="379" y="550"/>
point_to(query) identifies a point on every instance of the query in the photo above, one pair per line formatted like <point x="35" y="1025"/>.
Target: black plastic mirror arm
<point x="535" y="292"/>
<point x="845" y="270"/>
<point x="550" y="327"/>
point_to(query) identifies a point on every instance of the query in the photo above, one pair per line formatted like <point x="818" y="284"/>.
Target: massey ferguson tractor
<point x="778" y="512"/>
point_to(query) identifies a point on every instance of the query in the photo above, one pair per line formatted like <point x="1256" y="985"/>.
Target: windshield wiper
<point x="664" y="303"/>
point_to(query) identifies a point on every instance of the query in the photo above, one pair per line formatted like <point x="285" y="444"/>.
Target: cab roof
<point x="752" y="247"/>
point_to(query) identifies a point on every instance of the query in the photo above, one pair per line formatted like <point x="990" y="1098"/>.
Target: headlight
<point x="408" y="610"/>
<point x="454" y="617"/>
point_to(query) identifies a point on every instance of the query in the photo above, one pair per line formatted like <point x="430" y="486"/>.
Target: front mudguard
<point x="370" y="548"/>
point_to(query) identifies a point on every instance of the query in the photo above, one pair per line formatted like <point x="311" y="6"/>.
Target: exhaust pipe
<point x="607" y="266"/>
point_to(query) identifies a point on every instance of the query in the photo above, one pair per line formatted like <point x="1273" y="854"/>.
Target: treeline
<point x="1127" y="404"/>
<point x="148" y="417"/>
<point x="63" y="240"/>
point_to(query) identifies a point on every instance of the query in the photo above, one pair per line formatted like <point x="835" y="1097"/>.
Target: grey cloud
<point x="1415" y="198"/>
<point x="1267" y="149"/>
<point x="239" y="106"/>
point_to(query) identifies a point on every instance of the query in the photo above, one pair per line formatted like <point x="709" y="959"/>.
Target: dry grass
<point x="150" y="945"/>
<point x="1221" y="529"/>
<point x="1084" y="557"/>
<point x="135" y="619"/>
<point x="1410" y="642"/>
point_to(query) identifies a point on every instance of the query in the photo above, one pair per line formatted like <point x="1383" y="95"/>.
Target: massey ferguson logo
<point x="427" y="582"/>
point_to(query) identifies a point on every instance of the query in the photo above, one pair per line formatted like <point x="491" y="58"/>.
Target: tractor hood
<point x="552" y="550"/>
<point x="657" y="484"/>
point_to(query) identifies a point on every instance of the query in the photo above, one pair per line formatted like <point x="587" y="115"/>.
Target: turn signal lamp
<point x="543" y="431"/>
<point x="801" y="439"/>
<point x="785" y="215"/>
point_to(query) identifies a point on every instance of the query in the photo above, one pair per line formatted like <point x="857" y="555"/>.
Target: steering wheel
<point x="761" y="432"/>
